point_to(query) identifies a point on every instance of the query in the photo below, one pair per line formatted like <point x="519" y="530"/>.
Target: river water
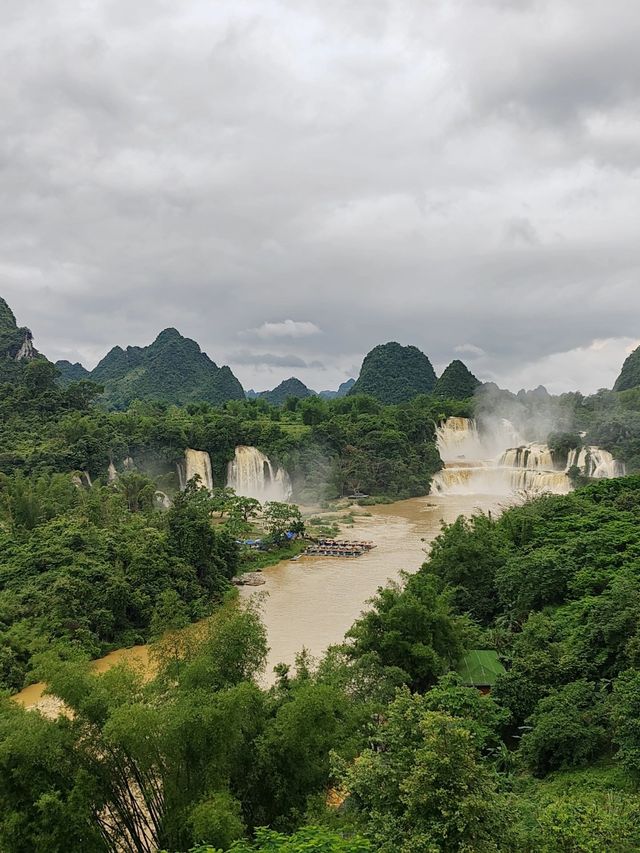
<point x="312" y="602"/>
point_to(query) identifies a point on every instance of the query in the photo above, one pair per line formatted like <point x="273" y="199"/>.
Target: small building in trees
<point x="480" y="668"/>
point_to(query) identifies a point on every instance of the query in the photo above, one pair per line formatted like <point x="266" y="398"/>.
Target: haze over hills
<point x="174" y="369"/>
<point x="343" y="390"/>
<point x="294" y="387"/>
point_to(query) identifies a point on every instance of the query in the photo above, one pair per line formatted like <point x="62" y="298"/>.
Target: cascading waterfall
<point x="595" y="462"/>
<point x="458" y="438"/>
<point x="532" y="456"/>
<point x="479" y="462"/>
<point x="252" y="474"/>
<point x="196" y="462"/>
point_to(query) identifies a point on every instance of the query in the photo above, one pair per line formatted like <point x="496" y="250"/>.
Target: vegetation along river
<point x="313" y="601"/>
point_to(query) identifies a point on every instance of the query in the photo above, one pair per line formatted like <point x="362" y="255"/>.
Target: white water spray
<point x="252" y="474"/>
<point x="491" y="464"/>
<point x="196" y="462"/>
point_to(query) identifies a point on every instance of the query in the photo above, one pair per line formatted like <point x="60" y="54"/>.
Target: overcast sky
<point x="291" y="183"/>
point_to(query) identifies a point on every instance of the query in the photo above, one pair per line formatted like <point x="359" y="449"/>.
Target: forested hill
<point x="343" y="390"/>
<point x="288" y="388"/>
<point x="172" y="369"/>
<point x="393" y="373"/>
<point x="630" y="374"/>
<point x="457" y="382"/>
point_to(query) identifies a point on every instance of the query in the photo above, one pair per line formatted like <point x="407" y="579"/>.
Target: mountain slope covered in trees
<point x="287" y="388"/>
<point x="630" y="374"/>
<point x="457" y="382"/>
<point x="172" y="369"/>
<point x="393" y="373"/>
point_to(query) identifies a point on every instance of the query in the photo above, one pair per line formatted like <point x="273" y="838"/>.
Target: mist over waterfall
<point x="196" y="462"/>
<point x="495" y="461"/>
<point x="252" y="474"/>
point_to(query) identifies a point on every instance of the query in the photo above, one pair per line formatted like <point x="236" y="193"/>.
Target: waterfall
<point x="458" y="438"/>
<point x="478" y="461"/>
<point x="252" y="474"/>
<point x="595" y="462"/>
<point x="533" y="456"/>
<point x="196" y="462"/>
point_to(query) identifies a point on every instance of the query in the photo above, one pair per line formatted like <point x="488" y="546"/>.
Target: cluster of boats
<point x="338" y="548"/>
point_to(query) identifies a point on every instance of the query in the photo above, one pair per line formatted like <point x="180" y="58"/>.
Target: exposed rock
<point x="163" y="500"/>
<point x="27" y="350"/>
<point x="249" y="579"/>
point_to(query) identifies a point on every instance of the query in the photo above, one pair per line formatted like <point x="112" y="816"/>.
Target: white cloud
<point x="470" y="350"/>
<point x="285" y="329"/>
<point x="586" y="369"/>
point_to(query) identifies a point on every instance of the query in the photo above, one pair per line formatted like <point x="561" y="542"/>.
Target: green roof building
<point x="480" y="668"/>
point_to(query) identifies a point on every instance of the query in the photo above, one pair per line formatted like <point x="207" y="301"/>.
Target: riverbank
<point x="313" y="601"/>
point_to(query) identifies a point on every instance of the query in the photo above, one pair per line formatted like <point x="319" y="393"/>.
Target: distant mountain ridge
<point x="294" y="387"/>
<point x="291" y="387"/>
<point x="172" y="369"/>
<point x="342" y="391"/>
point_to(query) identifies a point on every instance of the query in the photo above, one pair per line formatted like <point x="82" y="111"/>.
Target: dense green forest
<point x="393" y="373"/>
<point x="630" y="374"/>
<point x="172" y="369"/>
<point x="328" y="447"/>
<point x="379" y="746"/>
<point x="456" y="383"/>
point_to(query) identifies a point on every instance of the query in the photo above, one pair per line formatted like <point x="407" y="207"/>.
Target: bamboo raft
<point x="338" y="548"/>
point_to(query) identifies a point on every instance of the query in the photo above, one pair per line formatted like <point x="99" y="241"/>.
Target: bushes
<point x="568" y="729"/>
<point x="423" y="787"/>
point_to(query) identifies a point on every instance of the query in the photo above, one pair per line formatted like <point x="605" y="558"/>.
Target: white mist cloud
<point x="285" y="329"/>
<point x="587" y="368"/>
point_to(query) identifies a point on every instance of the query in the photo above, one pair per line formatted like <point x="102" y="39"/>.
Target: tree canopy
<point x="394" y="374"/>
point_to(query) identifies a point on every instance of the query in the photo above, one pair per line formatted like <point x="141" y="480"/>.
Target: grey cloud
<point x="431" y="172"/>
<point x="269" y="359"/>
<point x="520" y="230"/>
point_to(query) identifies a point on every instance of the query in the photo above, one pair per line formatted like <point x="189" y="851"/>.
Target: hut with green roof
<point x="480" y="668"/>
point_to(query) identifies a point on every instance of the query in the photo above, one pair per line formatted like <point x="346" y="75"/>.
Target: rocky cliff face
<point x="16" y="344"/>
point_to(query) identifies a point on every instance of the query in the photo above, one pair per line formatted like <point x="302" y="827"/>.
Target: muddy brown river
<point x="311" y="602"/>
